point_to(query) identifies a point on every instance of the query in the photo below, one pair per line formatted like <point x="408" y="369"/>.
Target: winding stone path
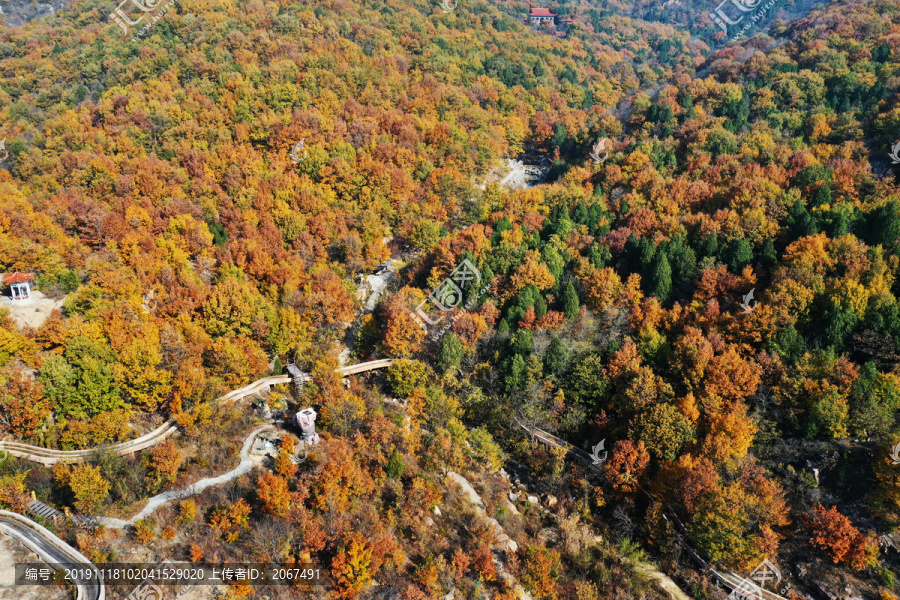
<point x="155" y="502"/>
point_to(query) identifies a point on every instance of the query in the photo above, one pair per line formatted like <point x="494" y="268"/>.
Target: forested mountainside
<point x="695" y="16"/>
<point x="713" y="293"/>
<point x="164" y="165"/>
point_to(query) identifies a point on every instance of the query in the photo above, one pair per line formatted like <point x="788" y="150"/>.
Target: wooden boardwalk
<point x="49" y="457"/>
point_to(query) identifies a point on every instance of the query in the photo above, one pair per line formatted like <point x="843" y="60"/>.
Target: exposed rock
<point x="533" y="499"/>
<point x="551" y="501"/>
<point x="504" y="542"/>
<point x="429" y="521"/>
<point x="513" y="496"/>
<point x="466" y="487"/>
<point x="437" y="511"/>
<point x="507" y="544"/>
<point x="662" y="580"/>
<point x="548" y="535"/>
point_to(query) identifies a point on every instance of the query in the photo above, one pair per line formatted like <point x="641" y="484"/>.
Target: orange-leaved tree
<point x="230" y="520"/>
<point x="844" y="543"/>
<point x="274" y="494"/>
<point x="350" y="567"/>
<point x="163" y="463"/>
<point x="542" y="568"/>
<point x="627" y="465"/>
<point x="22" y="404"/>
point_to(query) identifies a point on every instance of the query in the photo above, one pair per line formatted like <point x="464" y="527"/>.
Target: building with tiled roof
<point x="19" y="284"/>
<point x="540" y="15"/>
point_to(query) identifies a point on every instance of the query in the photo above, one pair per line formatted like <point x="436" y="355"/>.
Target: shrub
<point x="145" y="531"/>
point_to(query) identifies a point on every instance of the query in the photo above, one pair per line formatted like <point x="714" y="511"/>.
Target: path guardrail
<point x="48" y="457"/>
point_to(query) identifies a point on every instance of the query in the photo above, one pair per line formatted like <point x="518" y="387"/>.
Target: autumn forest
<point x="682" y="357"/>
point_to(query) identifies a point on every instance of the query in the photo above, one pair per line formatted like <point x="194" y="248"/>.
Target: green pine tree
<point x="823" y="196"/>
<point x="556" y="358"/>
<point x="884" y="225"/>
<point x="395" y="465"/>
<point x="516" y="375"/>
<point x="738" y="254"/>
<point x="450" y="353"/>
<point x="768" y="255"/>
<point x="660" y="284"/>
<point x="522" y="342"/>
<point x="710" y="246"/>
<point x="570" y="301"/>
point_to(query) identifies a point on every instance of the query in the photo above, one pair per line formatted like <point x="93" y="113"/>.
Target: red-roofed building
<point x="18" y="284"/>
<point x="540" y="15"/>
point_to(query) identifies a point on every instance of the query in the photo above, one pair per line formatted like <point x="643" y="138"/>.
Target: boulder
<point x="505" y="543"/>
<point x="548" y="536"/>
<point x="466" y="487"/>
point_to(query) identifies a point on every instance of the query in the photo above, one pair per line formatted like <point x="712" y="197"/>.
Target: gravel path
<point x="155" y="502"/>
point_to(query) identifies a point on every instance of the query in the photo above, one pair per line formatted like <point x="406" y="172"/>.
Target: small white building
<point x="19" y="285"/>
